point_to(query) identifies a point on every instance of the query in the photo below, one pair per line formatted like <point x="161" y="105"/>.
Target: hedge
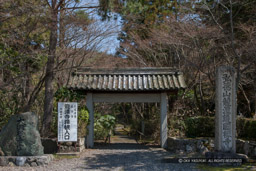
<point x="246" y="128"/>
<point x="203" y="126"/>
<point x="199" y="126"/>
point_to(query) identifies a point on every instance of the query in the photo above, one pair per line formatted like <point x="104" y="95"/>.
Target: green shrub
<point x="203" y="126"/>
<point x="83" y="119"/>
<point x="246" y="128"/>
<point x="200" y="126"/>
<point x="103" y="125"/>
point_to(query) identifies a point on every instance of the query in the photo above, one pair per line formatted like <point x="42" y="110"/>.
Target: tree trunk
<point x="254" y="96"/>
<point x="49" y="89"/>
<point x="201" y="96"/>
<point x="62" y="26"/>
<point x="26" y="88"/>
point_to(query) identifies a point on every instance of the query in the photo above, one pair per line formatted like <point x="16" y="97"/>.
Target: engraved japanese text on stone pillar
<point x="225" y="109"/>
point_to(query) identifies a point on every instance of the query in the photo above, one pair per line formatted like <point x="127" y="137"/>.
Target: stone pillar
<point x="163" y="126"/>
<point x="225" y="116"/>
<point x="90" y="134"/>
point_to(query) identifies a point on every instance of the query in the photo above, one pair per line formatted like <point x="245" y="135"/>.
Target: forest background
<point x="42" y="42"/>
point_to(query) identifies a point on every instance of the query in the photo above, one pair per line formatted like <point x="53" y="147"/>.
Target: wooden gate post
<point x="163" y="126"/>
<point x="90" y="134"/>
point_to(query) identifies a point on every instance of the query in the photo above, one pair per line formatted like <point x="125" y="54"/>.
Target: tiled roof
<point x="128" y="79"/>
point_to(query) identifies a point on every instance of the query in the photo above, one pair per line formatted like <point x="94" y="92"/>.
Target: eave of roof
<point x="127" y="79"/>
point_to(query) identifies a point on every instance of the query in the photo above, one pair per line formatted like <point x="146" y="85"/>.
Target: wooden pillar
<point x="90" y="134"/>
<point x="163" y="126"/>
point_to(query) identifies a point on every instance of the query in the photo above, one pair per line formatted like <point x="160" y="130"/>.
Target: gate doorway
<point x="136" y="85"/>
<point x="161" y="98"/>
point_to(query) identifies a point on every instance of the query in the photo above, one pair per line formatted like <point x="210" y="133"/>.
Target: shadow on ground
<point x="124" y="153"/>
<point x="130" y="156"/>
<point x="122" y="146"/>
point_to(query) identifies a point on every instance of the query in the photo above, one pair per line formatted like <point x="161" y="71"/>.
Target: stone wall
<point x="203" y="145"/>
<point x="52" y="146"/>
<point x="25" y="160"/>
<point x="246" y="147"/>
<point x="196" y="145"/>
<point x="65" y="147"/>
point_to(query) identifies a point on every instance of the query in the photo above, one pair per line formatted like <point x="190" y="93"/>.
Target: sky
<point x="110" y="43"/>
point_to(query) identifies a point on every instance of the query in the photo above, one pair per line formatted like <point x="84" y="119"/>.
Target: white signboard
<point x="67" y="121"/>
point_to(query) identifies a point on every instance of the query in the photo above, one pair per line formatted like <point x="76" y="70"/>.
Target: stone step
<point x="69" y="154"/>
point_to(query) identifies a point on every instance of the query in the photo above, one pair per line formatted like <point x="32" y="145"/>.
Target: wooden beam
<point x="125" y="97"/>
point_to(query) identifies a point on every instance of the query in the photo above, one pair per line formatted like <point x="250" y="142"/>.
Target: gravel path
<point x="122" y="156"/>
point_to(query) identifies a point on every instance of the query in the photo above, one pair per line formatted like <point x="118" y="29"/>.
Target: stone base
<point x="67" y="147"/>
<point x="32" y="161"/>
<point x="225" y="159"/>
<point x="52" y="146"/>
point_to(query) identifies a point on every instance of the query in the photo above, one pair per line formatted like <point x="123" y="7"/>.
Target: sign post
<point x="225" y="117"/>
<point x="225" y="123"/>
<point x="67" y="121"/>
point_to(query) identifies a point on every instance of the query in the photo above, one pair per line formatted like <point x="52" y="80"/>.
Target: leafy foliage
<point x="103" y="125"/>
<point x="22" y="56"/>
<point x="64" y="94"/>
<point x="37" y="40"/>
<point x="83" y="121"/>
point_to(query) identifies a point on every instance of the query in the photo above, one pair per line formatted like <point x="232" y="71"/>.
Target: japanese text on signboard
<point x="67" y="121"/>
